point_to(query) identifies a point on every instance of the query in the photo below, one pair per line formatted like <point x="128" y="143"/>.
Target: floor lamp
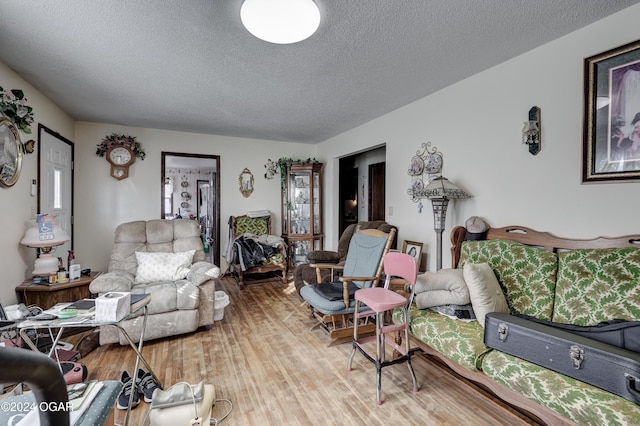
<point x="426" y="166"/>
<point x="440" y="190"/>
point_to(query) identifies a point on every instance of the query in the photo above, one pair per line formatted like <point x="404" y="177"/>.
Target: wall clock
<point x="120" y="159"/>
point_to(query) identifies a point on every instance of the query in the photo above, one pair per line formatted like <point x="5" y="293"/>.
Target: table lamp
<point x="47" y="263"/>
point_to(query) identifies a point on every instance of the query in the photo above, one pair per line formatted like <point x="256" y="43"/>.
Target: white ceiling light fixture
<point x="280" y="21"/>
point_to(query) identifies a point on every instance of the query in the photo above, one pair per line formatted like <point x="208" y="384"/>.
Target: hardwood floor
<point x="265" y="359"/>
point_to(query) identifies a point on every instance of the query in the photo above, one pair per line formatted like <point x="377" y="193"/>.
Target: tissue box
<point x="74" y="272"/>
<point x="113" y="306"/>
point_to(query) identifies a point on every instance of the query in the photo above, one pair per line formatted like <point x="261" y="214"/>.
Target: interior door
<point x="55" y="182"/>
<point x="376" y="191"/>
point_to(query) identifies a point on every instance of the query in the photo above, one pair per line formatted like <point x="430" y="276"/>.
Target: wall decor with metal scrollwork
<point x="425" y="165"/>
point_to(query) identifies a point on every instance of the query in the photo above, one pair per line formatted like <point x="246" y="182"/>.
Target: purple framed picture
<point x="611" y="146"/>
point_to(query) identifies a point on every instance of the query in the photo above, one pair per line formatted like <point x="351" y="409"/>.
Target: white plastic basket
<point x="221" y="301"/>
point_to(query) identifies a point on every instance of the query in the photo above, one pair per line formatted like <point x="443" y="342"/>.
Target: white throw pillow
<point x="160" y="266"/>
<point x="484" y="290"/>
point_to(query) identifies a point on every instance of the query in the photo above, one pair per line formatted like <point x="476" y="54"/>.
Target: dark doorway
<point x="348" y="193"/>
<point x="376" y="191"/>
<point x="361" y="187"/>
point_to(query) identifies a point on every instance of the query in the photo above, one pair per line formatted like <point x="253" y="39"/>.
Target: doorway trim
<point x="216" y="187"/>
<point x="42" y="128"/>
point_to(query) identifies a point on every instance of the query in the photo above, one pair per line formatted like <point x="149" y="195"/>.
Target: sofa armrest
<point x="202" y="272"/>
<point x="112" y="281"/>
<point x="323" y="256"/>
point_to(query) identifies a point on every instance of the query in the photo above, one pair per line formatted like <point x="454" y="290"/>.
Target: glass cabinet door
<point x="300" y="200"/>
<point x="316" y="203"/>
<point x="302" y="211"/>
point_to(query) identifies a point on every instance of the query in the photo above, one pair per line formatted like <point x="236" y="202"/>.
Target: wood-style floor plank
<point x="264" y="357"/>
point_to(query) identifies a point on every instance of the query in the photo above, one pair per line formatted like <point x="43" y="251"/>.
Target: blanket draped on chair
<point x="251" y="250"/>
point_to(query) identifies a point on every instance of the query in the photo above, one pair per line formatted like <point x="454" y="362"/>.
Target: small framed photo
<point x="611" y="148"/>
<point x="413" y="249"/>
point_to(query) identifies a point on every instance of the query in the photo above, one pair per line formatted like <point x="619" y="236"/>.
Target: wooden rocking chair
<point x="332" y="304"/>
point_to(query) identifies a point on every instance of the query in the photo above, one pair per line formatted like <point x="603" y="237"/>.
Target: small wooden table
<point x="45" y="296"/>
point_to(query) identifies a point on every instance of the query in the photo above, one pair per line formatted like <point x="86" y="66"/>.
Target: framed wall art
<point x="611" y="146"/>
<point x="413" y="249"/>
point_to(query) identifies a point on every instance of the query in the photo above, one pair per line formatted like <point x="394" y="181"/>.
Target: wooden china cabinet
<point x="302" y="211"/>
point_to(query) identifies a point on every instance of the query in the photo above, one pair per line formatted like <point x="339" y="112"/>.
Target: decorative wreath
<point x="14" y="106"/>
<point x="115" y="139"/>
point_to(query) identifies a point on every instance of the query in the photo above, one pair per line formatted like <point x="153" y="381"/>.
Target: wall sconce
<point x="531" y="131"/>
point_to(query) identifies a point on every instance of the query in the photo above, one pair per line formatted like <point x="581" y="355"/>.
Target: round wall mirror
<point x="10" y="153"/>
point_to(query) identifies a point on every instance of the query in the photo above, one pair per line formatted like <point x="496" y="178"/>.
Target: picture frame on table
<point x="611" y="135"/>
<point x="413" y="249"/>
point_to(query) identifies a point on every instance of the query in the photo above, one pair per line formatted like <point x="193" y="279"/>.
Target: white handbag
<point x="183" y="404"/>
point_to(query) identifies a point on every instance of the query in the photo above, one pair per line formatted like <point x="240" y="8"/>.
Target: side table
<point x="45" y="296"/>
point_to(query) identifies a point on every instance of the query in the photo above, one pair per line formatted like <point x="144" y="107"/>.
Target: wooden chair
<point x="260" y="226"/>
<point x="332" y="304"/>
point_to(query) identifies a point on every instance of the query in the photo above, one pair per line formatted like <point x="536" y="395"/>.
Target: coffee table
<point x="84" y="321"/>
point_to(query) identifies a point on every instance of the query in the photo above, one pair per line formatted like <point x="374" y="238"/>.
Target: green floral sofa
<point x="570" y="281"/>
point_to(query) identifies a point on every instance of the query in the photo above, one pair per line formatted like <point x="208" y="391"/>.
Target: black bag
<point x="621" y="333"/>
<point x="606" y="366"/>
<point x="335" y="291"/>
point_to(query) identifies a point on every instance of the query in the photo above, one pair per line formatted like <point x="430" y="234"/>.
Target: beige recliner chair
<point x="182" y="296"/>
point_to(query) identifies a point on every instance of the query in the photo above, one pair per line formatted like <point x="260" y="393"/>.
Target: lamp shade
<point x="441" y="187"/>
<point x="280" y="21"/>
<point x="54" y="236"/>
<point x="32" y="238"/>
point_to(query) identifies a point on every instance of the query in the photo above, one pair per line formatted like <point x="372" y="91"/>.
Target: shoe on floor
<point x="123" y="398"/>
<point x="146" y="384"/>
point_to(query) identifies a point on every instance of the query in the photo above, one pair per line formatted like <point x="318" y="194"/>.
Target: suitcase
<point x="599" y="364"/>
<point x="617" y="332"/>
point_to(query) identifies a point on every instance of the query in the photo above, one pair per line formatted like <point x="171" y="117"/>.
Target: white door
<point x="56" y="183"/>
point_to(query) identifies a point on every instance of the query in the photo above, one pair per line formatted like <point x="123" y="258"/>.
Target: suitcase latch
<point x="577" y="356"/>
<point x="633" y="386"/>
<point x="503" y="331"/>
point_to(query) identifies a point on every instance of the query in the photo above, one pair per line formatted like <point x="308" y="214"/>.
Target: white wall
<point x="476" y="123"/>
<point x="103" y="202"/>
<point x="16" y="203"/>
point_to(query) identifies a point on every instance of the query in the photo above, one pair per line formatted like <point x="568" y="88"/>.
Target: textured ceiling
<point x="191" y="66"/>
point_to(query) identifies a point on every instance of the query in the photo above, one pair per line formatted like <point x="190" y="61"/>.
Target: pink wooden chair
<point x="380" y="300"/>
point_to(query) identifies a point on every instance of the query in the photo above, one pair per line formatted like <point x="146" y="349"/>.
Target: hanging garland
<point x="115" y="139"/>
<point x="282" y="165"/>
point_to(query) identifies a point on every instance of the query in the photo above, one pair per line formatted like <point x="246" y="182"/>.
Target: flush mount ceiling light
<point x="280" y="21"/>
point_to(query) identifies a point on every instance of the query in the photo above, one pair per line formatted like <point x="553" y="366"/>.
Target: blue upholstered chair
<point x="332" y="304"/>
